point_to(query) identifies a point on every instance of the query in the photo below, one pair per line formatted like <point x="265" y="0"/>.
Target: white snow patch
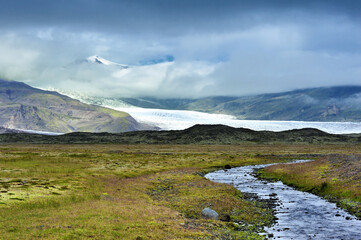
<point x="100" y="60"/>
<point x="39" y="132"/>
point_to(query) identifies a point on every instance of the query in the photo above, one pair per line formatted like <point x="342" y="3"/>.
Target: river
<point x="300" y="215"/>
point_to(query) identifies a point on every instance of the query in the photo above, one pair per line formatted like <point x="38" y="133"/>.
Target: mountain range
<point x="340" y="103"/>
<point x="24" y="108"/>
<point x="28" y="108"/>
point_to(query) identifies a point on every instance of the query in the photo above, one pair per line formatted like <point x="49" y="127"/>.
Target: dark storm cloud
<point x="221" y="47"/>
<point x="162" y="16"/>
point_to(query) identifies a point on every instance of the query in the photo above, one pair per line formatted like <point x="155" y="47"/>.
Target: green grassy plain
<point x="133" y="191"/>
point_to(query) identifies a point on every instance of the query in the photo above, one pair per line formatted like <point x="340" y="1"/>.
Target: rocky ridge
<point x="25" y="107"/>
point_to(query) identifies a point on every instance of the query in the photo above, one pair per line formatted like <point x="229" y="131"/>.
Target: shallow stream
<point x="300" y="215"/>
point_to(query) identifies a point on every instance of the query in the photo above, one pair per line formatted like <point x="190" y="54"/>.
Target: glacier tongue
<point x="181" y="119"/>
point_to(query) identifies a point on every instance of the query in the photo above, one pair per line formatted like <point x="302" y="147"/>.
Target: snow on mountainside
<point x="100" y="60"/>
<point x="182" y="119"/>
<point x="89" y="99"/>
<point x="37" y="132"/>
<point x="153" y="61"/>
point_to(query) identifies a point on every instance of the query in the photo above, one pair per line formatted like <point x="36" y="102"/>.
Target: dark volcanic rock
<point x="227" y="166"/>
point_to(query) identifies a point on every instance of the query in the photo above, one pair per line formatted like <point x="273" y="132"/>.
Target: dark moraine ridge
<point x="198" y="134"/>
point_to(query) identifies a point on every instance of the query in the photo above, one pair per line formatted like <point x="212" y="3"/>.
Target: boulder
<point x="208" y="213"/>
<point x="227" y="166"/>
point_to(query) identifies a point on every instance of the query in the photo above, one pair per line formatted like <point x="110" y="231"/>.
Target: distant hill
<point x="198" y="134"/>
<point x="28" y="108"/>
<point x="342" y="103"/>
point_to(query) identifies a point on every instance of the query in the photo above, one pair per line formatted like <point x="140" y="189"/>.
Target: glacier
<point x="182" y="119"/>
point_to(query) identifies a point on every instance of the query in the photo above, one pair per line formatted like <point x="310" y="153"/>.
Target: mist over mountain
<point x="181" y="49"/>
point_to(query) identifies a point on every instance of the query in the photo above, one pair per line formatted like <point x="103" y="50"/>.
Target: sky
<point x="220" y="47"/>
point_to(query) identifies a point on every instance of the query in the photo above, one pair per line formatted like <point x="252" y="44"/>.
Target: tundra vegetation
<point x="108" y="191"/>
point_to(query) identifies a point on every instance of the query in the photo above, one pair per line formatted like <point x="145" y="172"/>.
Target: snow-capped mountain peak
<point x="100" y="60"/>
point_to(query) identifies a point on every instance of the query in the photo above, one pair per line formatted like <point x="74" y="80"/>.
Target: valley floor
<point x="134" y="191"/>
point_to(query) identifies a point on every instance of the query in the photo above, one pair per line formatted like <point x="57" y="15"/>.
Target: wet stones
<point x="250" y="196"/>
